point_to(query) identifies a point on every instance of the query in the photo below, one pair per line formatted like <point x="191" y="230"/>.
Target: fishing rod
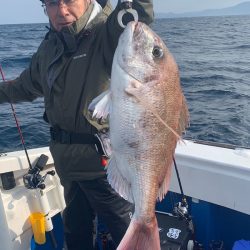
<point x="33" y="179"/>
<point x="181" y="208"/>
<point x="17" y="123"/>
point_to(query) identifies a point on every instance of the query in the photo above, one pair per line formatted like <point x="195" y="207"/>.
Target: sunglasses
<point x="56" y="3"/>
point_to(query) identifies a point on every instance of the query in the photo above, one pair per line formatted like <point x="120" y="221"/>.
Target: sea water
<point x="213" y="55"/>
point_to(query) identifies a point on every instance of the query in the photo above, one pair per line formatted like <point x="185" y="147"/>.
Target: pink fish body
<point x="147" y="116"/>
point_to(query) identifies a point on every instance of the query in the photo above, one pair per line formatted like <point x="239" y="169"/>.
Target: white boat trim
<point x="214" y="174"/>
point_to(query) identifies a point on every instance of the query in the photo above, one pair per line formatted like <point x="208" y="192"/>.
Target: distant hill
<point x="239" y="9"/>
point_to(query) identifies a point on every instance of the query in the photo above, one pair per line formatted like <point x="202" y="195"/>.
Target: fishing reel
<point x="181" y="211"/>
<point x="181" y="208"/>
<point x="126" y="6"/>
<point x="33" y="179"/>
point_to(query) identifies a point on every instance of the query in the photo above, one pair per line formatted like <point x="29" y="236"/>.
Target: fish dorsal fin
<point x="116" y="180"/>
<point x="165" y="184"/>
<point x="183" y="124"/>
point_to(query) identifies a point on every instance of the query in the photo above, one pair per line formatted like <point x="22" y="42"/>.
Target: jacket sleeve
<point x="145" y="10"/>
<point x="26" y="87"/>
<point x="114" y="30"/>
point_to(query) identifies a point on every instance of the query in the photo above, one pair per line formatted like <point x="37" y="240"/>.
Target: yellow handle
<point x="37" y="221"/>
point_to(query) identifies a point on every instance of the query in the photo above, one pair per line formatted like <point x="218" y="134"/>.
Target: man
<point x="70" y="68"/>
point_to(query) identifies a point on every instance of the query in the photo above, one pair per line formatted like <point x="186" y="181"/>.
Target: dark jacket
<point x="70" y="69"/>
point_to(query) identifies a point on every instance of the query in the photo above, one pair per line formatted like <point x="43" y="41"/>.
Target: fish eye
<point x="157" y="52"/>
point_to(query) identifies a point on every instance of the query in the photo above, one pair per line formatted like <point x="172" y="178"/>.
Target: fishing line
<point x="17" y="123"/>
<point x="130" y="91"/>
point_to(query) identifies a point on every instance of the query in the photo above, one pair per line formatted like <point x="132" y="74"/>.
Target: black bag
<point x="174" y="231"/>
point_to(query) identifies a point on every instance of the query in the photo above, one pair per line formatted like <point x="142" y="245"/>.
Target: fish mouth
<point x="136" y="28"/>
<point x="126" y="58"/>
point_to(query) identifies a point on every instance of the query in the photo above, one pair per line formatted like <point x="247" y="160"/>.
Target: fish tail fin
<point x="141" y="236"/>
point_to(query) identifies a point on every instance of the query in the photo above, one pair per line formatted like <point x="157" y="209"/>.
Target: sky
<point x="30" y="11"/>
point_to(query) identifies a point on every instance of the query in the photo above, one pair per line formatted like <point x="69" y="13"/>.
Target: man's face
<point x="64" y="13"/>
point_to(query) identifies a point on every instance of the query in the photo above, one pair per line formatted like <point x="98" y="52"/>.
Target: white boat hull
<point x="213" y="174"/>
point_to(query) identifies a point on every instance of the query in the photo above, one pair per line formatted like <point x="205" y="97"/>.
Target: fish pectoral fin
<point x="100" y="106"/>
<point x="117" y="181"/>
